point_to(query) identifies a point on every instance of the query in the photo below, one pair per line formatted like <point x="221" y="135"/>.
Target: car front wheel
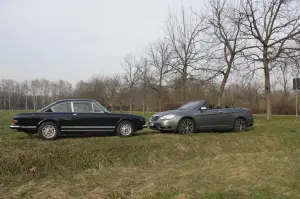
<point x="186" y="126"/>
<point x="125" y="129"/>
<point x="48" y="131"/>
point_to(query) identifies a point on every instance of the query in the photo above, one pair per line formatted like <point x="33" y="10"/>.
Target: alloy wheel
<point x="187" y="126"/>
<point x="125" y="129"/>
<point x="48" y="131"/>
<point x="240" y="125"/>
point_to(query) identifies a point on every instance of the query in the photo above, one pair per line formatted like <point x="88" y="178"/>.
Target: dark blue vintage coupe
<point x="76" y="116"/>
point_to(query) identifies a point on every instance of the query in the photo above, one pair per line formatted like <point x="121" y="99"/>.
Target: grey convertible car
<point x="198" y="116"/>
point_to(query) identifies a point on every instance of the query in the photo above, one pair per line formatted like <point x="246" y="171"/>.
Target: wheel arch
<point x="47" y="120"/>
<point x="122" y="120"/>
<point x="239" y="117"/>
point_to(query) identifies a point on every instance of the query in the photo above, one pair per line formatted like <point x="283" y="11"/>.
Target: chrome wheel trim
<point x="187" y="126"/>
<point x="240" y="125"/>
<point x="49" y="131"/>
<point x="125" y="129"/>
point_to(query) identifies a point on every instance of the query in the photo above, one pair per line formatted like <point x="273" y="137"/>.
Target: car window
<point x="205" y="105"/>
<point x="97" y="108"/>
<point x="63" y="107"/>
<point x="85" y="107"/>
<point x="190" y="105"/>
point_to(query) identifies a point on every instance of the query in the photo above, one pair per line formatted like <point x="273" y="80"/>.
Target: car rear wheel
<point x="240" y="125"/>
<point x="125" y="129"/>
<point x="186" y="126"/>
<point x="48" y="131"/>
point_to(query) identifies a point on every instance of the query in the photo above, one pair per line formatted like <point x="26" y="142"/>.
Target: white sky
<point x="77" y="39"/>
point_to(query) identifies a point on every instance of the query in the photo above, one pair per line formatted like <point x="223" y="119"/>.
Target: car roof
<point x="72" y="100"/>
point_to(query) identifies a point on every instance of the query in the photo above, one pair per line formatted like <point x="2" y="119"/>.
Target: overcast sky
<point x="77" y="39"/>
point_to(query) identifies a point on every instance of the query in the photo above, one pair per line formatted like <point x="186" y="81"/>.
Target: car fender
<point x="48" y="120"/>
<point x="133" y="120"/>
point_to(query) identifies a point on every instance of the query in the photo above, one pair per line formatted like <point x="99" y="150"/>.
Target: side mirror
<point x="203" y="108"/>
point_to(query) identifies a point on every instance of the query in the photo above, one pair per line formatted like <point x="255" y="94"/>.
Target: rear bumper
<point x="250" y="122"/>
<point x="22" y="128"/>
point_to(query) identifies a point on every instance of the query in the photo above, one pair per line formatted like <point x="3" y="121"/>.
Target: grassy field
<point x="261" y="163"/>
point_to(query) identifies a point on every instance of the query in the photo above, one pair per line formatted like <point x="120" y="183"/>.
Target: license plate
<point x="151" y="124"/>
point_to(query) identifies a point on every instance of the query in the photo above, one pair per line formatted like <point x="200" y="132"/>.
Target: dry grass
<point x="261" y="163"/>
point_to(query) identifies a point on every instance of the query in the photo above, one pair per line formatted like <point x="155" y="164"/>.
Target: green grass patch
<point x="261" y="163"/>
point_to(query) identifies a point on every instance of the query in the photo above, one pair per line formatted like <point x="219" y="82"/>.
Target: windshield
<point x="190" y="105"/>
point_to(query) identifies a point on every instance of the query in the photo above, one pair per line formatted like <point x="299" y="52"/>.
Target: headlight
<point x="167" y="117"/>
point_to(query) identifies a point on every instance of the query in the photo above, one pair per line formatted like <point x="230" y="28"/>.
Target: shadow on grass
<point x="105" y="134"/>
<point x="89" y="135"/>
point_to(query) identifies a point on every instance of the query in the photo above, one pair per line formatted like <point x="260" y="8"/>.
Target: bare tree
<point x="121" y="91"/>
<point x="183" y="33"/>
<point x="25" y="88"/>
<point x="133" y="73"/>
<point x="45" y="90"/>
<point x="227" y="44"/>
<point x="64" y="89"/>
<point x="144" y="82"/>
<point x="54" y="91"/>
<point x="113" y="85"/>
<point x="160" y="56"/>
<point x="34" y="88"/>
<point x="99" y="89"/>
<point x="271" y="26"/>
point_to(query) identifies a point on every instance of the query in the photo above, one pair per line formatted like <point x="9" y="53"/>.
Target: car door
<point x="62" y="113"/>
<point x="223" y="118"/>
<point x="87" y="116"/>
<point x="211" y="118"/>
<point x="205" y="118"/>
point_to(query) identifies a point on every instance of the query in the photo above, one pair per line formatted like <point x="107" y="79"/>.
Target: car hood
<point x="171" y="112"/>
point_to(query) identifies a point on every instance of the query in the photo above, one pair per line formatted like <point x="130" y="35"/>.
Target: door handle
<point x="220" y="111"/>
<point x="74" y="114"/>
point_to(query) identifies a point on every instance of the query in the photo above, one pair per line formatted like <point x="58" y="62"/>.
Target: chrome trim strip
<point x="29" y="127"/>
<point x="89" y="127"/>
<point x="24" y="127"/>
<point x="72" y="107"/>
<point x="13" y="126"/>
<point x="89" y="130"/>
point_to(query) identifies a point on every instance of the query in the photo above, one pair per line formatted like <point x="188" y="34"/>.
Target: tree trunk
<point x="184" y="75"/>
<point x="144" y="107"/>
<point x="267" y="88"/>
<point x="159" y="104"/>
<point x="222" y="88"/>
<point x="130" y="104"/>
<point x="160" y="93"/>
<point x="26" y="107"/>
<point x="9" y="103"/>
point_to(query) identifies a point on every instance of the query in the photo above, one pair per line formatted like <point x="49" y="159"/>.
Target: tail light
<point x="251" y="112"/>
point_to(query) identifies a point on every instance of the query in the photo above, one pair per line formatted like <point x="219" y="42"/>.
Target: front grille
<point x="154" y="118"/>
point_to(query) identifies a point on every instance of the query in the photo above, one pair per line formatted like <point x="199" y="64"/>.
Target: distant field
<point x="259" y="164"/>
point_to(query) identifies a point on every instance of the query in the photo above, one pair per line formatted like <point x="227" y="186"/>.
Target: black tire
<point x="186" y="126"/>
<point x="125" y="129"/>
<point x="240" y="125"/>
<point x="50" y="133"/>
